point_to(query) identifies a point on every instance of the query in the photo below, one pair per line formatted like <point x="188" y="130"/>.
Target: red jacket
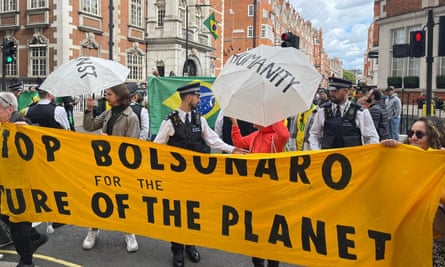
<point x="261" y="141"/>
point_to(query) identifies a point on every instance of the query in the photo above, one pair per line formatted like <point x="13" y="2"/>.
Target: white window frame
<point x="136" y="7"/>
<point x="250" y="31"/>
<point x="35" y="4"/>
<point x="136" y="66"/>
<point x="38" y="62"/>
<point x="250" y="10"/>
<point x="91" y="7"/>
<point x="8" y="5"/>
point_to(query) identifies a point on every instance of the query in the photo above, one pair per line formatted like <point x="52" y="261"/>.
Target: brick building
<point x="252" y="23"/>
<point x="48" y="33"/>
<point x="393" y="22"/>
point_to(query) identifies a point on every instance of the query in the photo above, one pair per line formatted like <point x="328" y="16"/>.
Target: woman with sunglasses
<point x="424" y="134"/>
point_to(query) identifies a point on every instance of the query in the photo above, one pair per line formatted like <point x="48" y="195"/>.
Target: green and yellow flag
<point x="163" y="98"/>
<point x="210" y="23"/>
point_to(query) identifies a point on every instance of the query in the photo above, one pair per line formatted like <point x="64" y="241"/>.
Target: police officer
<point x="186" y="128"/>
<point x="340" y="122"/>
<point x="46" y="113"/>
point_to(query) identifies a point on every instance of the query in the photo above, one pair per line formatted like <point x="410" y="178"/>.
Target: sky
<point x="345" y="26"/>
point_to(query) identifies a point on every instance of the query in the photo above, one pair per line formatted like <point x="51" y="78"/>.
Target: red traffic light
<point x="285" y="37"/>
<point x="418" y="36"/>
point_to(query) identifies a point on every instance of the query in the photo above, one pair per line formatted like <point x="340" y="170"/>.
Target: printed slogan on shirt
<point x="363" y="206"/>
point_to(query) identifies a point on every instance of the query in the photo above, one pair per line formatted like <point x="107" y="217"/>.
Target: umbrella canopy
<point x="266" y="84"/>
<point x="85" y="75"/>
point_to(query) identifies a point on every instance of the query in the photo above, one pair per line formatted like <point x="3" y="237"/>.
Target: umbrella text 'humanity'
<point x="265" y="68"/>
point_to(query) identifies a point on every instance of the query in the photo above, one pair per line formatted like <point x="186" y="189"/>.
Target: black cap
<point x="132" y="87"/>
<point x="15" y="86"/>
<point x="337" y="83"/>
<point x="191" y="88"/>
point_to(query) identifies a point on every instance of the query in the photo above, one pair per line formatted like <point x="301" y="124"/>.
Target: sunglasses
<point x="419" y="134"/>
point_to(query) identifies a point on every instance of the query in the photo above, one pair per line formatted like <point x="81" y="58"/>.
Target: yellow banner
<point x="363" y="206"/>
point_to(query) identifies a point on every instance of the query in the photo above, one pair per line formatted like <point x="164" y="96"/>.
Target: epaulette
<point x="174" y="117"/>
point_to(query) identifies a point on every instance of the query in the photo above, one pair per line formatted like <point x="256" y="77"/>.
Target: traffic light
<point x="417" y="44"/>
<point x="10" y="51"/>
<point x="290" y="40"/>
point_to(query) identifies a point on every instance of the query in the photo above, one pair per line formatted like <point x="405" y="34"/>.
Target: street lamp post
<point x="187" y="67"/>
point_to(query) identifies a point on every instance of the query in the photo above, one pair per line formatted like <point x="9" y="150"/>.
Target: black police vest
<point x="342" y="131"/>
<point x="43" y="115"/>
<point x="137" y="109"/>
<point x="188" y="136"/>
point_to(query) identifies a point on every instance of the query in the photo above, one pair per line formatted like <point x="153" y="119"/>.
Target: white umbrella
<point x="85" y="75"/>
<point x="266" y="84"/>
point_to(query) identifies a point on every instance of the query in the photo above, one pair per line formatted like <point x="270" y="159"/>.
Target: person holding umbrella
<point x="186" y="128"/>
<point x="270" y="139"/>
<point x="26" y="238"/>
<point x="341" y="122"/>
<point x="120" y="120"/>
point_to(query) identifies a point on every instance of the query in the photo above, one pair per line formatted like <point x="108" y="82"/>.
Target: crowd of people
<point x="333" y="120"/>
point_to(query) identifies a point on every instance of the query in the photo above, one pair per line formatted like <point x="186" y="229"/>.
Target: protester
<point x="440" y="126"/>
<point x="270" y="139"/>
<point x="424" y="134"/>
<point x="299" y="129"/>
<point x="323" y="97"/>
<point x="120" y="120"/>
<point x="340" y="122"/>
<point x="378" y="113"/>
<point x="186" y="128"/>
<point x="68" y="103"/>
<point x="140" y="111"/>
<point x="223" y="127"/>
<point x="394" y="107"/>
<point x="26" y="238"/>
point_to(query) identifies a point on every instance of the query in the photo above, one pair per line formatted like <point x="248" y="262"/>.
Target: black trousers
<point x="260" y="262"/>
<point x="177" y="247"/>
<point x="24" y="236"/>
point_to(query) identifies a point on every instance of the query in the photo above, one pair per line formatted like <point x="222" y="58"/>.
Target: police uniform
<point x="353" y="127"/>
<point x="47" y="114"/>
<point x="191" y="131"/>
<point x="168" y="129"/>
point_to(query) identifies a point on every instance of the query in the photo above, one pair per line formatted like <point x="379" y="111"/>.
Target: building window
<point x="442" y="66"/>
<point x="160" y="66"/>
<point x="265" y="13"/>
<point x="134" y="63"/>
<point x="90" y="6"/>
<point x="161" y="16"/>
<point x="38" y="3"/>
<point x="9" y="5"/>
<point x="250" y="10"/>
<point x="398" y="36"/>
<point x="397" y="67"/>
<point x="413" y="66"/>
<point x="39" y="61"/>
<point x="136" y="12"/>
<point x="249" y="31"/>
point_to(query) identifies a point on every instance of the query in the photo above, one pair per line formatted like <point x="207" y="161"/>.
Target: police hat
<point x="15" y="86"/>
<point x="337" y="83"/>
<point x="191" y="88"/>
<point x="132" y="87"/>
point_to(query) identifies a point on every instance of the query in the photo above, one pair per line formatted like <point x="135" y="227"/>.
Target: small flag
<point x="210" y="23"/>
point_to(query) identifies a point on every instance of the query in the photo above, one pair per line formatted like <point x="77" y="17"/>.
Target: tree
<point x="349" y="75"/>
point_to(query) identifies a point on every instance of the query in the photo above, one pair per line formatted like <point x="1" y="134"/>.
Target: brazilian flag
<point x="210" y="23"/>
<point x="163" y="98"/>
